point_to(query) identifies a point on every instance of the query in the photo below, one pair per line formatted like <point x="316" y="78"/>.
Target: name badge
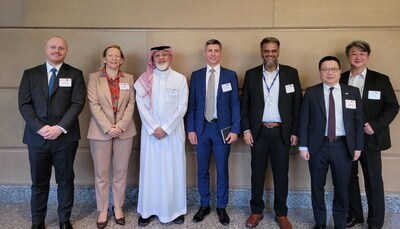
<point x="289" y="88"/>
<point x="350" y="104"/>
<point x="124" y="86"/>
<point x="374" y="95"/>
<point x="65" y="82"/>
<point x="172" y="92"/>
<point x="226" y="87"/>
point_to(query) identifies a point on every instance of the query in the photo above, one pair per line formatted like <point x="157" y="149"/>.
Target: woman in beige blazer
<point x="111" y="131"/>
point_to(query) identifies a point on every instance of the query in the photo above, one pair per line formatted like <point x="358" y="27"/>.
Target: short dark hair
<point x="363" y="45"/>
<point x="213" y="42"/>
<point x="270" y="40"/>
<point x="328" y="58"/>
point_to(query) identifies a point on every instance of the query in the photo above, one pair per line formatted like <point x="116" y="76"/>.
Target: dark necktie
<point x="52" y="78"/>
<point x="331" y="117"/>
<point x="210" y="97"/>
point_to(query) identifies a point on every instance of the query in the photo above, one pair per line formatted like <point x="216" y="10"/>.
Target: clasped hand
<point x="115" y="131"/>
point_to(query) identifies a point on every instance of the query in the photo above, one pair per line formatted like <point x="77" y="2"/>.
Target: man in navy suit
<point x="270" y="108"/>
<point x="213" y="106"/>
<point x="51" y="96"/>
<point x="380" y="109"/>
<point x="330" y="135"/>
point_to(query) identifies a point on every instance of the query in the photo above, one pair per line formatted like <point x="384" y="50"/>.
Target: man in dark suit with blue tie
<point x="51" y="96"/>
<point x="380" y="109"/>
<point x="213" y="106"/>
<point x="330" y="135"/>
<point x="270" y="108"/>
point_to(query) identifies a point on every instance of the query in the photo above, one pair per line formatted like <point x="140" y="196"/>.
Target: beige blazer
<point x="100" y="104"/>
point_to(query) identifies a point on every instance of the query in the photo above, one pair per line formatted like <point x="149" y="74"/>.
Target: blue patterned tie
<point x="52" y="78"/>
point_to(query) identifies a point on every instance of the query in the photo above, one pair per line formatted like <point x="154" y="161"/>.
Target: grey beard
<point x="162" y="67"/>
<point x="270" y="64"/>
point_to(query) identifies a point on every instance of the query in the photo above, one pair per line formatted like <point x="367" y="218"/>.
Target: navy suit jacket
<point x="228" y="104"/>
<point x="379" y="113"/>
<point x="62" y="107"/>
<point x="312" y="122"/>
<point x="252" y="106"/>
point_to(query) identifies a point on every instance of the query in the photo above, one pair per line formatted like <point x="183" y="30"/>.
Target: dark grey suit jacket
<point x="379" y="113"/>
<point x="62" y="107"/>
<point x="312" y="123"/>
<point x="252" y="102"/>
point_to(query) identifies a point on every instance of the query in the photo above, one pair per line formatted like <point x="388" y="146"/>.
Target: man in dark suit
<point x="330" y="135"/>
<point x="270" y="108"/>
<point x="380" y="109"/>
<point x="213" y="106"/>
<point x="51" y="96"/>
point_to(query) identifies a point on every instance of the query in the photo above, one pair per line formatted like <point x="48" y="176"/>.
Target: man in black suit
<point x="380" y="108"/>
<point x="51" y="96"/>
<point x="270" y="107"/>
<point x="330" y="135"/>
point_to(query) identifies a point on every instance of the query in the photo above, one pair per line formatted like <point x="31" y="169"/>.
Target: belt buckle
<point x="269" y="125"/>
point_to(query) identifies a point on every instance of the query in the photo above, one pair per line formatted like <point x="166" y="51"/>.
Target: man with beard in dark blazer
<point x="270" y="107"/>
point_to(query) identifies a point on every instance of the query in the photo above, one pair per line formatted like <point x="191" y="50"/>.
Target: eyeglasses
<point x="162" y="54"/>
<point x="333" y="70"/>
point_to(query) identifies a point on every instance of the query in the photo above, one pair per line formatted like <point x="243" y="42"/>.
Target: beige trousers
<point x="110" y="155"/>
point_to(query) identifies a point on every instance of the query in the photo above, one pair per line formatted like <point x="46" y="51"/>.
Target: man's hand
<point x="192" y="136"/>
<point x="159" y="133"/>
<point x="305" y="155"/>
<point x="293" y="140"/>
<point x="368" y="129"/>
<point x="357" y="155"/>
<point x="52" y="133"/>
<point x="248" y="138"/>
<point x="232" y="137"/>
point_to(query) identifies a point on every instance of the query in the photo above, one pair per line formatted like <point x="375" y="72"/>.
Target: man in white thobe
<point x="162" y="97"/>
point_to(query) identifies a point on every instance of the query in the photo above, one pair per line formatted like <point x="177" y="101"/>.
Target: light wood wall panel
<point x="338" y="13"/>
<point x="150" y="13"/>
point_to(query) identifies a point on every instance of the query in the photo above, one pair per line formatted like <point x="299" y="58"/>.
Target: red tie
<point x="331" y="117"/>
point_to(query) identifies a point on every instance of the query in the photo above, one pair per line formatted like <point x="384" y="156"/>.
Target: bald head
<point x="56" y="50"/>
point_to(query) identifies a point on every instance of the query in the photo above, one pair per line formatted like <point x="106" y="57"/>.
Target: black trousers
<point x="336" y="156"/>
<point x="371" y="165"/>
<point x="41" y="159"/>
<point x="269" y="143"/>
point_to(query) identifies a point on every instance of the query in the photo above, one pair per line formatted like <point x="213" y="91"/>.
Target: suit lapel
<point x="105" y="88"/>
<point x="368" y="83"/>
<point x="321" y="98"/>
<point x="282" y="82"/>
<point x="44" y="82"/>
<point x="220" y="82"/>
<point x="345" y="95"/>
<point x="122" y="93"/>
<point x="259" y="78"/>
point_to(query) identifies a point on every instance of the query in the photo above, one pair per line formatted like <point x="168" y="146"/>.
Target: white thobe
<point x="162" y="178"/>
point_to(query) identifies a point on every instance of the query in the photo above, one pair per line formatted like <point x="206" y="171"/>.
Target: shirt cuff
<point x="62" y="129"/>
<point x="303" y="148"/>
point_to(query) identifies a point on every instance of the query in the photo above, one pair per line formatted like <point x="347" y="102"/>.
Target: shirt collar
<point x="362" y="74"/>
<point x="336" y="86"/>
<point x="49" y="67"/>
<point x="275" y="71"/>
<point x="216" y="68"/>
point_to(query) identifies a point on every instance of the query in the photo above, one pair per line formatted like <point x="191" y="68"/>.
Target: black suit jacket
<point x="378" y="113"/>
<point x="61" y="108"/>
<point x="312" y="123"/>
<point x="252" y="103"/>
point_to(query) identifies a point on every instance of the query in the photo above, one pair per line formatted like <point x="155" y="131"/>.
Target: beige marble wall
<point x="308" y="30"/>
